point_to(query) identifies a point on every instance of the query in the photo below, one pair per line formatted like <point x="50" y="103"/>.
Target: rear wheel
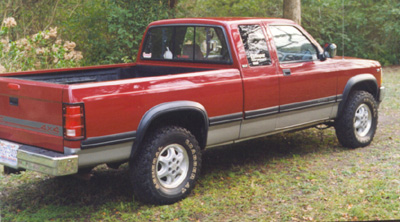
<point x="357" y="124"/>
<point x="167" y="167"/>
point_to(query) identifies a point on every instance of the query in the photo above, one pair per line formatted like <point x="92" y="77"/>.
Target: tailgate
<point x="31" y="113"/>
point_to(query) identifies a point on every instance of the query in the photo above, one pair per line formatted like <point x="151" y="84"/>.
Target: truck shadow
<point x="266" y="149"/>
<point x="108" y="185"/>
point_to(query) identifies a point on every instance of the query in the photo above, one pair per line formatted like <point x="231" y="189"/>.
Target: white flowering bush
<point x="44" y="50"/>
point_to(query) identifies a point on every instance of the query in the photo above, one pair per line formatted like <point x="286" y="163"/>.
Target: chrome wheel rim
<point x="172" y="166"/>
<point x="362" y="120"/>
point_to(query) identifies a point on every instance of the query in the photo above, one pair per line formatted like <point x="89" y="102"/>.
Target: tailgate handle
<point x="14" y="86"/>
<point x="14" y="101"/>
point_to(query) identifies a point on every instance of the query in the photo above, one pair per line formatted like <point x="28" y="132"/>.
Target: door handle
<point x="286" y="72"/>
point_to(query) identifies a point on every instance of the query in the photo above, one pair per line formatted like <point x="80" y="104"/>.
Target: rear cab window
<point x="292" y="45"/>
<point x="206" y="44"/>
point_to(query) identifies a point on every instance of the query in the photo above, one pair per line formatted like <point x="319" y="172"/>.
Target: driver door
<point x="307" y="86"/>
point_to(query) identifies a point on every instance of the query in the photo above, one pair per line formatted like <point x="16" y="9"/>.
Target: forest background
<point x="110" y="31"/>
<point x="283" y="178"/>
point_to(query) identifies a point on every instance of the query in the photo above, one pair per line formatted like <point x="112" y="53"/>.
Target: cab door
<point x="260" y="81"/>
<point x="307" y="86"/>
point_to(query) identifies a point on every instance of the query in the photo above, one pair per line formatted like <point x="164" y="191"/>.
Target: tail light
<point x="74" y="121"/>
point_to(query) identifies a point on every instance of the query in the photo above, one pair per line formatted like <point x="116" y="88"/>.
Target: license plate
<point x="8" y="153"/>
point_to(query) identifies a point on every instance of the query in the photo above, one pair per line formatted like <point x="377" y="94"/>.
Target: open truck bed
<point x="97" y="74"/>
<point x="102" y="106"/>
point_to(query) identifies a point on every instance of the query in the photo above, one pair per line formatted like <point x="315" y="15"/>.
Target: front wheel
<point x="357" y="124"/>
<point x="167" y="166"/>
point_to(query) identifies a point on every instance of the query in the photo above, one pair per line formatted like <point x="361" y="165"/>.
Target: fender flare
<point x="165" y="108"/>
<point x="352" y="82"/>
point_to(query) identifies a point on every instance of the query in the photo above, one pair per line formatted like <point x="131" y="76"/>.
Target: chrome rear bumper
<point x="59" y="164"/>
<point x="44" y="161"/>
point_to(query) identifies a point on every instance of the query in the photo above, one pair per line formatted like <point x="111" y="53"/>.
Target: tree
<point x="172" y="3"/>
<point x="292" y="10"/>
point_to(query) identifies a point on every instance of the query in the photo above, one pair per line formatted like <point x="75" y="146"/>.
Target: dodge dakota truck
<point x="197" y="83"/>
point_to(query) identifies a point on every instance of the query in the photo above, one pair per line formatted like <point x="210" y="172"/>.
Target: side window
<point x="255" y="45"/>
<point x="186" y="43"/>
<point x="186" y="48"/>
<point x="212" y="43"/>
<point x="292" y="45"/>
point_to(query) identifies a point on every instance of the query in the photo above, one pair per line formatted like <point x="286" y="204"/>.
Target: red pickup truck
<point x="197" y="83"/>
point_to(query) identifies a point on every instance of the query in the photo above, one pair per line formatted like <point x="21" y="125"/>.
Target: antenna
<point x="342" y="29"/>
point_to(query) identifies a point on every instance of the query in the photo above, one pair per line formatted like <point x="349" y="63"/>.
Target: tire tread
<point x="344" y="124"/>
<point x="140" y="167"/>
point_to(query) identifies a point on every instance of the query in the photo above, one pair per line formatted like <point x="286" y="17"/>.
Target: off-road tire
<point x="359" y="102"/>
<point x="166" y="150"/>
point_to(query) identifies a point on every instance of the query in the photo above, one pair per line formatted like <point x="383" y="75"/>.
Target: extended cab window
<point x="186" y="43"/>
<point x="255" y="45"/>
<point x="292" y="45"/>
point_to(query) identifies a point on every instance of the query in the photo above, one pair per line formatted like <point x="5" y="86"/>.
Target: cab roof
<point x="220" y="21"/>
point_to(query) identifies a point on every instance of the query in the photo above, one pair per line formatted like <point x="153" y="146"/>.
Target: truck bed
<point x="108" y="74"/>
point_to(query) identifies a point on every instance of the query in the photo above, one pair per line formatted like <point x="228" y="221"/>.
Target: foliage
<point x="110" y="31"/>
<point x="371" y="28"/>
<point x="227" y="8"/>
<point x="105" y="31"/>
<point x="33" y="16"/>
<point x="127" y="21"/>
<point x="297" y="176"/>
<point x="39" y="51"/>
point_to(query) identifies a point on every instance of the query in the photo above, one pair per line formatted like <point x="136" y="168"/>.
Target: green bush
<point x="371" y="28"/>
<point x="43" y="50"/>
<point x="110" y="31"/>
<point x="106" y="31"/>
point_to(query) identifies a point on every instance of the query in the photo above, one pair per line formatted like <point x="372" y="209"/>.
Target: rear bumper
<point x="59" y="164"/>
<point x="44" y="161"/>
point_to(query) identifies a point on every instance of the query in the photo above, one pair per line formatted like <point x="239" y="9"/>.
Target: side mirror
<point x="329" y="51"/>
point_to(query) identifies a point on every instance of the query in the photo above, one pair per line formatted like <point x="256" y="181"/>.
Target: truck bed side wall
<point x="102" y="75"/>
<point x="118" y="106"/>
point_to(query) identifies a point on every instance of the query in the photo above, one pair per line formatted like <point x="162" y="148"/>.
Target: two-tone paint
<point x="228" y="103"/>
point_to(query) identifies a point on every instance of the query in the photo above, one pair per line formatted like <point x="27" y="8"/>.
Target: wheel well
<point x="365" y="83"/>
<point x="369" y="86"/>
<point x="188" y="119"/>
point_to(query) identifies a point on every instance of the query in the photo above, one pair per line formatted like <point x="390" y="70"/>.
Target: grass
<point x="300" y="176"/>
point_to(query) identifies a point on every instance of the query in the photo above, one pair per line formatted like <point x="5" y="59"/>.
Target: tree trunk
<point x="292" y="10"/>
<point x="172" y="3"/>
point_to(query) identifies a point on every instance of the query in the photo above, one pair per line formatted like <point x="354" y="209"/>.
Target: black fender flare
<point x="352" y="82"/>
<point x="165" y="108"/>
